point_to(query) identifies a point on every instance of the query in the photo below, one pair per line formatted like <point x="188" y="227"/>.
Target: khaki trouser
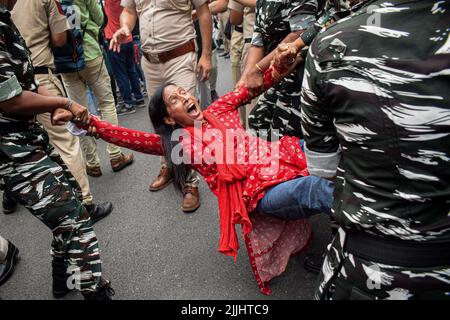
<point x="3" y="249"/>
<point x="94" y="75"/>
<point x="180" y="71"/>
<point x="67" y="145"/>
<point x="237" y="45"/>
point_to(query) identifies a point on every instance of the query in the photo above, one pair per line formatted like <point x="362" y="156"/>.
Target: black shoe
<point x="9" y="206"/>
<point x="313" y="262"/>
<point x="60" y="276"/>
<point x="105" y="292"/>
<point x="99" y="211"/>
<point x="214" y="95"/>
<point x="139" y="103"/>
<point x="7" y="267"/>
<point x="126" y="110"/>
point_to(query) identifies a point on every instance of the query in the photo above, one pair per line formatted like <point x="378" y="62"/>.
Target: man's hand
<point x="80" y="113"/>
<point x="204" y="68"/>
<point x="61" y="116"/>
<point x="255" y="81"/>
<point x="285" y="56"/>
<point x="118" y="38"/>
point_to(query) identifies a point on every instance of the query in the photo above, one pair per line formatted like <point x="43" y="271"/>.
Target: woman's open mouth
<point x="192" y="110"/>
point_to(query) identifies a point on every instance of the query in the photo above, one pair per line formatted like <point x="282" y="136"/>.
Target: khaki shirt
<point x="36" y="21"/>
<point x="164" y="24"/>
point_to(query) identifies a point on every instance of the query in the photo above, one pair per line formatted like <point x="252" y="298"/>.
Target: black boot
<point x="99" y="211"/>
<point x="9" y="206"/>
<point x="105" y="292"/>
<point x="313" y="262"/>
<point x="60" y="277"/>
<point x="7" y="267"/>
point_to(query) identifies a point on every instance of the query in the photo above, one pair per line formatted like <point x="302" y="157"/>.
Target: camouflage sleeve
<point x="322" y="147"/>
<point x="302" y="14"/>
<point x="9" y="85"/>
<point x="258" y="29"/>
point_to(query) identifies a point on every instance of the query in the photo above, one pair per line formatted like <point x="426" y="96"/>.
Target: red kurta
<point x="270" y="242"/>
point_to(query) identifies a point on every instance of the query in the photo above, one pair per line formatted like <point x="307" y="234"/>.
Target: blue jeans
<point x="124" y="69"/>
<point x="299" y="198"/>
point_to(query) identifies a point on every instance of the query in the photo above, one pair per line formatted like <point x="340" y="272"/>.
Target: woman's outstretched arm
<point x="140" y="141"/>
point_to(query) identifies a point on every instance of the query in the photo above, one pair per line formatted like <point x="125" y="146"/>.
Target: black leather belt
<point x="397" y="252"/>
<point x="14" y="127"/>
<point x="239" y="29"/>
<point x="43" y="70"/>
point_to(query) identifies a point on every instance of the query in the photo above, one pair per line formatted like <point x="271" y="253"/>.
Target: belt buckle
<point x="153" y="57"/>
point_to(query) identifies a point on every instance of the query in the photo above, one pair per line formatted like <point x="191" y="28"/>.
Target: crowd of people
<point x="339" y="107"/>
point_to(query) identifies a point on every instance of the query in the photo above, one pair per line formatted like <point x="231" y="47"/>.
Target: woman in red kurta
<point x="239" y="171"/>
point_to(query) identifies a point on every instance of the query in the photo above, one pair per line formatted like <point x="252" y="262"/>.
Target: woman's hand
<point x="285" y="60"/>
<point x="60" y="116"/>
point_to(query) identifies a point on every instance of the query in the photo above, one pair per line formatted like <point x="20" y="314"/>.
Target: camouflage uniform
<point x="376" y="117"/>
<point x="279" y="107"/>
<point x="33" y="174"/>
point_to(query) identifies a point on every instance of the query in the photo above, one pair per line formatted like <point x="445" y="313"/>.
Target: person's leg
<point x="48" y="191"/>
<point x="76" y="88"/>
<point x="299" y="198"/>
<point x="119" y="68"/>
<point x="205" y="93"/>
<point x="67" y="145"/>
<point x="181" y="71"/>
<point x="260" y="118"/>
<point x="98" y="79"/>
<point x="132" y="75"/>
<point x="287" y="113"/>
<point x="237" y="44"/>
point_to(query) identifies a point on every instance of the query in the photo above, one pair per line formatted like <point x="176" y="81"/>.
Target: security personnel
<point x="33" y="174"/>
<point x="276" y="21"/>
<point x="42" y="23"/>
<point x="376" y="121"/>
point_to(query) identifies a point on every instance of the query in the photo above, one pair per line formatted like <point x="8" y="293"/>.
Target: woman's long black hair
<point x="157" y="111"/>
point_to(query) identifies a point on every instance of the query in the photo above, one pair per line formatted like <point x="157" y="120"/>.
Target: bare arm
<point x="204" y="19"/>
<point x="128" y="20"/>
<point x="247" y="3"/>
<point x="218" y="6"/>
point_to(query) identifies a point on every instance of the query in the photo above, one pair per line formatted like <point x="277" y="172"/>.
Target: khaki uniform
<point x="245" y="44"/>
<point x="36" y="20"/>
<point x="165" y="25"/>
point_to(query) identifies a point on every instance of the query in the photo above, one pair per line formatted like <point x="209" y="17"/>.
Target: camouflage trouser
<point x="33" y="174"/>
<point x="346" y="276"/>
<point x="279" y="109"/>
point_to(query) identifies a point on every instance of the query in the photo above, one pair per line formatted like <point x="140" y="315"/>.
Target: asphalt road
<point x="149" y="247"/>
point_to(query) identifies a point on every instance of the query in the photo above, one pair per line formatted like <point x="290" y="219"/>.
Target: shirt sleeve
<point x="129" y="4"/>
<point x="234" y="5"/>
<point x="238" y="97"/>
<point x="9" y="85"/>
<point x="302" y="14"/>
<point x="198" y="3"/>
<point x="95" y="12"/>
<point x="140" y="141"/>
<point x="57" y="20"/>
<point x="322" y="147"/>
<point x="258" y="29"/>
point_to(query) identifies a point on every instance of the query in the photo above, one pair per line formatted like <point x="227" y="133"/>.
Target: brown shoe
<point x="191" y="199"/>
<point x="94" y="171"/>
<point x="163" y="179"/>
<point x="122" y="162"/>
